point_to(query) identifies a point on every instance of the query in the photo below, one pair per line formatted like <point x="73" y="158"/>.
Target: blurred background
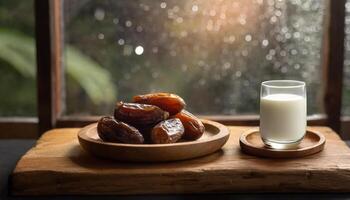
<point x="214" y="54"/>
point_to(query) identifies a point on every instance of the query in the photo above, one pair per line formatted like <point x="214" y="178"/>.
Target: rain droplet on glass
<point x="179" y="20"/>
<point x="248" y="38"/>
<point x="101" y="36"/>
<point x="128" y="23"/>
<point x="121" y="42"/>
<point x="139" y="29"/>
<point x="115" y="21"/>
<point x="163" y="5"/>
<point x="139" y="50"/>
<point x="265" y="43"/>
<point x="99" y="14"/>
<point x="195" y="8"/>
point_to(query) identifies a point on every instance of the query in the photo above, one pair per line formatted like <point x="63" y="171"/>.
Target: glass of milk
<point x="282" y="113"/>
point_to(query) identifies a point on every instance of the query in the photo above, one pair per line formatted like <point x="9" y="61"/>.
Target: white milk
<point x="282" y="117"/>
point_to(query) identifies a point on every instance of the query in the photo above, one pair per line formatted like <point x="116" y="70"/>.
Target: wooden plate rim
<point x="223" y="132"/>
<point x="247" y="145"/>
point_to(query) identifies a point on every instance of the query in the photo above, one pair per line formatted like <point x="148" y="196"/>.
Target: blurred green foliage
<point x="18" y="66"/>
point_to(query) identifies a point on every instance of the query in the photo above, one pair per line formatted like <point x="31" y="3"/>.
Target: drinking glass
<point x="282" y="113"/>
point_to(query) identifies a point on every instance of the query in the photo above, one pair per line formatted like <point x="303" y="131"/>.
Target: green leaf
<point x="19" y="51"/>
<point x="95" y="80"/>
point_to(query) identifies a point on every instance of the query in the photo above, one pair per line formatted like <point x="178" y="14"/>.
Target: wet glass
<point x="214" y="54"/>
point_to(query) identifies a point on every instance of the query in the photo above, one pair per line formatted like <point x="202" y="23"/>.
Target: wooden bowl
<point x="251" y="143"/>
<point x="214" y="137"/>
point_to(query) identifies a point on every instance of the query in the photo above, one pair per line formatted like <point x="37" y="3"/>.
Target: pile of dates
<point x="157" y="118"/>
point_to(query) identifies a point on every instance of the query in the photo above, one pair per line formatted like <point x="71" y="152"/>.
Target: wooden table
<point x="58" y="165"/>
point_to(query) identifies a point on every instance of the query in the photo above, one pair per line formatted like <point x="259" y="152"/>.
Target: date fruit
<point x="168" y="131"/>
<point x="194" y="128"/>
<point x="139" y="115"/>
<point x="111" y="130"/>
<point x="169" y="102"/>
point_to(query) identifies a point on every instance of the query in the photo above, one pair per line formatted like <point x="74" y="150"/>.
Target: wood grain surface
<point x="58" y="165"/>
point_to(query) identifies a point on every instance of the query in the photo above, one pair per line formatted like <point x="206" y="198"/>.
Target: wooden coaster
<point x="251" y="143"/>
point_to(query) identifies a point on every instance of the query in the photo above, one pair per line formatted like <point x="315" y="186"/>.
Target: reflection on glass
<point x="215" y="54"/>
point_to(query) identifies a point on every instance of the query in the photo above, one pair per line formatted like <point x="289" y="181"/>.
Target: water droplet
<point x="296" y="35"/>
<point x="121" y="42"/>
<point x="242" y="20"/>
<point x="99" y="14"/>
<point x="278" y="13"/>
<point x="288" y="35"/>
<point x="195" y="8"/>
<point x="176" y="8"/>
<point x="283" y="53"/>
<point x="101" y="36"/>
<point x="163" y="5"/>
<point x="297" y="66"/>
<point x="128" y="23"/>
<point x="139" y="50"/>
<point x="115" y="21"/>
<point x="284" y="69"/>
<point x="227" y="65"/>
<point x="268" y="57"/>
<point x="238" y="73"/>
<point x="273" y="19"/>
<point x="248" y="38"/>
<point x="179" y="20"/>
<point x="265" y="43"/>
<point x="139" y="29"/>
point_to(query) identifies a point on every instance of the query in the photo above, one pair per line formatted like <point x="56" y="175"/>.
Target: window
<point x="214" y="54"/>
<point x="17" y="59"/>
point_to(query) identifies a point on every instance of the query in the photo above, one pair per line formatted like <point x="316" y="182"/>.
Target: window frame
<point x="48" y="28"/>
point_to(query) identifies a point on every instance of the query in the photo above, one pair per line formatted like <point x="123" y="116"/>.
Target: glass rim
<point x="296" y="83"/>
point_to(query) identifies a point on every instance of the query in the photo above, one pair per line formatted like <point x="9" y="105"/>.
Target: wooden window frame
<point x="48" y="27"/>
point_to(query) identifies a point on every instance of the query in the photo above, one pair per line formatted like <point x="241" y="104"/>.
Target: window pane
<point x="17" y="58"/>
<point x="214" y="54"/>
<point x="346" y="87"/>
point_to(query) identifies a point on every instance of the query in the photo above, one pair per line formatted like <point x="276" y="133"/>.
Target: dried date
<point x="168" y="131"/>
<point x="139" y="115"/>
<point x="194" y="128"/>
<point x="169" y="102"/>
<point x="111" y="130"/>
